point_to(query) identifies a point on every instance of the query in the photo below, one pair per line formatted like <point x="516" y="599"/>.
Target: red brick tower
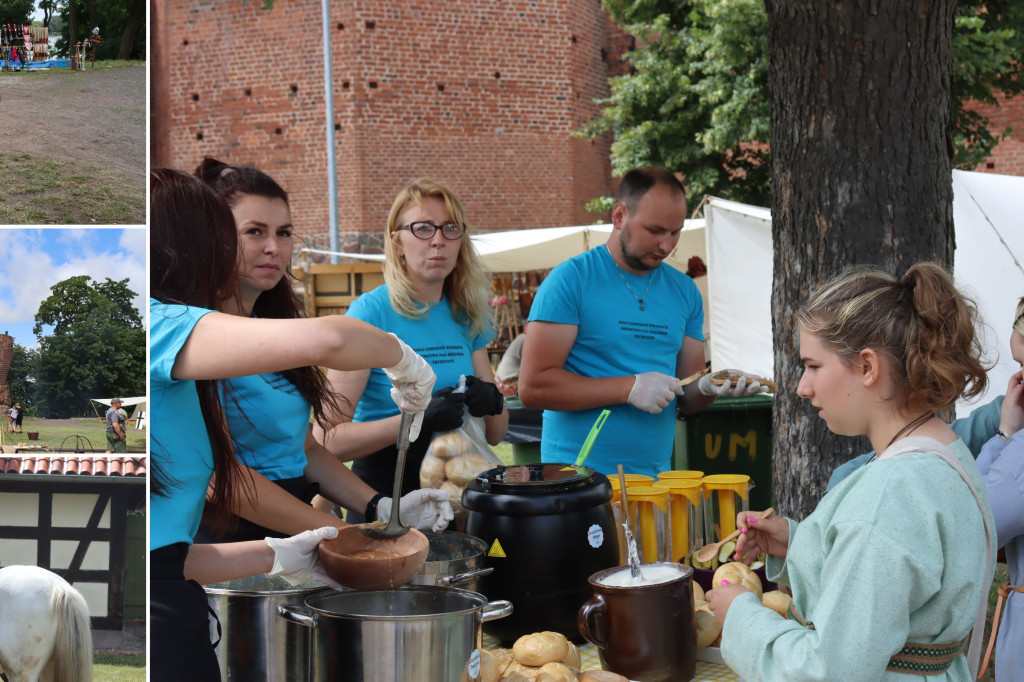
<point x="485" y="95"/>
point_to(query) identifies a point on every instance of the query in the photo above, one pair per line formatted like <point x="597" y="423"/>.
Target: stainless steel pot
<point x="255" y="644"/>
<point x="415" y="632"/>
<point x="454" y="560"/>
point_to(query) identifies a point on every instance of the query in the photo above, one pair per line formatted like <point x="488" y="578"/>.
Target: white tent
<point x="544" y="248"/>
<point x="140" y="412"/>
<point x="987" y="263"/>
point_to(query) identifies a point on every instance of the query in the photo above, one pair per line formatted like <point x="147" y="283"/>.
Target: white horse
<point x="45" y="634"/>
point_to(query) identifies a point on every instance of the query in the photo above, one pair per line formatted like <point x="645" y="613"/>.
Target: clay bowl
<point x="376" y="564"/>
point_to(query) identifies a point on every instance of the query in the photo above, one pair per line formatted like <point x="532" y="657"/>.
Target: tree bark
<point x="861" y="100"/>
<point x="136" y="15"/>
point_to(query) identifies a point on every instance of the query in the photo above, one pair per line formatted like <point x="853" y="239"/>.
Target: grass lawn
<point x="45" y="191"/>
<point x="58" y="433"/>
<point x="119" y="668"/>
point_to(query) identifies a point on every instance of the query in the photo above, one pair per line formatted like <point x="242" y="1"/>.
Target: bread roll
<point x="777" y="601"/>
<point x="540" y="648"/>
<point x="432" y="472"/>
<point x="737" y="573"/>
<point x="555" y="672"/>
<point x="451" y="444"/>
<point x="464" y="468"/>
<point x="454" y="495"/>
<point x="573" y="659"/>
<point x="602" y="676"/>
<point x="708" y="628"/>
<point x="698" y="592"/>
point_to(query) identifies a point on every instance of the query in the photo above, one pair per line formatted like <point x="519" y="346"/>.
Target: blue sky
<point x="33" y="260"/>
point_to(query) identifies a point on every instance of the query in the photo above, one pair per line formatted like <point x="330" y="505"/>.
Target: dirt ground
<point x="92" y="117"/>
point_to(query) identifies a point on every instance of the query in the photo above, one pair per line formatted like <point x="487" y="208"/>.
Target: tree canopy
<point x="697" y="100"/>
<point x="97" y="346"/>
<point x="121" y="24"/>
<point x="16" y="11"/>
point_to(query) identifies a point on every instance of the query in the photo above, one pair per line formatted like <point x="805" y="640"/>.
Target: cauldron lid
<point x="533" y="476"/>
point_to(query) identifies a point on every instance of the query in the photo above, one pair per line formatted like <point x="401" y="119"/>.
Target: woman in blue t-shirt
<point x="269" y="414"/>
<point x="435" y="298"/>
<point x="193" y="248"/>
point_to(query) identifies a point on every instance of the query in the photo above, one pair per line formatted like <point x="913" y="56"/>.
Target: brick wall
<point x="1008" y="156"/>
<point x="485" y="95"/>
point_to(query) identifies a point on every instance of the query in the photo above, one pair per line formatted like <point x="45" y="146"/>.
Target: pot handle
<point x="462" y="578"/>
<point x="495" y="610"/>
<point x="589" y="620"/>
<point x="298" y="614"/>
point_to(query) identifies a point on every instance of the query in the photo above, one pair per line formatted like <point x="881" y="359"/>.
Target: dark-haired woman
<point x="269" y="414"/>
<point x="193" y="246"/>
<point x="892" y="569"/>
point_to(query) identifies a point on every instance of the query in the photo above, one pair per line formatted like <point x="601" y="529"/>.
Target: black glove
<point x="444" y="412"/>
<point x="483" y="398"/>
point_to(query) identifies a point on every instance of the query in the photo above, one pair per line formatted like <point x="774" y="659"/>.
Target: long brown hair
<point x="193" y="246"/>
<point x="232" y="183"/>
<point x="921" y="321"/>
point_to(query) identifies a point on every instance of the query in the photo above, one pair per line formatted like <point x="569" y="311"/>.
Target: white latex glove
<point x="742" y="387"/>
<point x="413" y="382"/>
<point x="653" y="391"/>
<point x="422" y="509"/>
<point x="297" y="560"/>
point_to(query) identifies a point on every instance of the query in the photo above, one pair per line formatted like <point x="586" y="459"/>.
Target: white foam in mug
<point x="653" y="574"/>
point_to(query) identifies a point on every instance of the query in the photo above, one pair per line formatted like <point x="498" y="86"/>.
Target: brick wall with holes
<point x="1008" y="156"/>
<point x="484" y="95"/>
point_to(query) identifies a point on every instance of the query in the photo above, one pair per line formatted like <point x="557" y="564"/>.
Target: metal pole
<point x="332" y="171"/>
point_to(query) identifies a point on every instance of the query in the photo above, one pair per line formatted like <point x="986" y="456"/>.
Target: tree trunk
<point x="72" y="27"/>
<point x="861" y="174"/>
<point x="136" y="15"/>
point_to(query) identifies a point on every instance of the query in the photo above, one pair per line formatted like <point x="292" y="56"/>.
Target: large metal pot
<point x="415" y="632"/>
<point x="454" y="560"/>
<point x="255" y="644"/>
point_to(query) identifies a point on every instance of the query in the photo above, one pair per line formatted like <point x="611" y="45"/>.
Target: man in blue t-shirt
<point x="611" y="329"/>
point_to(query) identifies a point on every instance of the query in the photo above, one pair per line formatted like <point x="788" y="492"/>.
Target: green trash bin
<point x="730" y="436"/>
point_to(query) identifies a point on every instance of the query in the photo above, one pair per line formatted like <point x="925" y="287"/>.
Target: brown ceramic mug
<point x="645" y="632"/>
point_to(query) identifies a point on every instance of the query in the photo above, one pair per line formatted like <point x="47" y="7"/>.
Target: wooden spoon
<point x="707" y="552"/>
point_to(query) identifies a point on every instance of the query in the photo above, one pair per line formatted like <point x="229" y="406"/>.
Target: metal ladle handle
<point x="394" y="526"/>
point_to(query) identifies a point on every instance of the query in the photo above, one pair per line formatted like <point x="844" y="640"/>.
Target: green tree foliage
<point x="97" y="347"/>
<point x="16" y="12"/>
<point x="21" y="377"/>
<point x="121" y="24"/>
<point x="697" y="101"/>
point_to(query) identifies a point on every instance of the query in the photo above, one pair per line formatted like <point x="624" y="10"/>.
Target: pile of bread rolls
<point x="539" y="657"/>
<point x="709" y="632"/>
<point x="450" y="463"/>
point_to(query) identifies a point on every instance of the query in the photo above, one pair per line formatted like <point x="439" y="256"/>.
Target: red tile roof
<point x="74" y="465"/>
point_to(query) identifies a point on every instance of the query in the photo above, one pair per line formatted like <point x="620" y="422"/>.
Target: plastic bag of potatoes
<point x="454" y="458"/>
<point x="539" y="657"/>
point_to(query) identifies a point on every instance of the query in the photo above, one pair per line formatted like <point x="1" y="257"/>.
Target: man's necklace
<point x="639" y="299"/>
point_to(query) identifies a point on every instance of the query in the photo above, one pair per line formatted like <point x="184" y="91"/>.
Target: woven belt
<point x="912" y="659"/>
<point x="1004" y="592"/>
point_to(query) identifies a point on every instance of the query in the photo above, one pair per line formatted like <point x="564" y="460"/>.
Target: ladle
<point x="631" y="552"/>
<point x="394" y="528"/>
<point x="707" y="552"/>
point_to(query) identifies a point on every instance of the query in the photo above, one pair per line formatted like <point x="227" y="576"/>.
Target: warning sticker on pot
<point x="595" y="536"/>
<point x="496" y="550"/>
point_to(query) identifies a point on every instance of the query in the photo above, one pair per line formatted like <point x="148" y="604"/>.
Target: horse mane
<point x="72" y="650"/>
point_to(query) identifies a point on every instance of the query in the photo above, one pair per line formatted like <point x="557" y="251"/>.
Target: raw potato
<point x="464" y="468"/>
<point x="737" y="572"/>
<point x="602" y="676"/>
<point x="778" y="601"/>
<point x="555" y="672"/>
<point x="540" y="648"/>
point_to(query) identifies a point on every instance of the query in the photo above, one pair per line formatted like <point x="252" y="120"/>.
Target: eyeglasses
<point x="428" y="230"/>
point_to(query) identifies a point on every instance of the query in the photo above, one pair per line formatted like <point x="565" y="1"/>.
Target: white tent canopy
<point x="987" y="264"/>
<point x="124" y="401"/>
<point x="544" y="248"/>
